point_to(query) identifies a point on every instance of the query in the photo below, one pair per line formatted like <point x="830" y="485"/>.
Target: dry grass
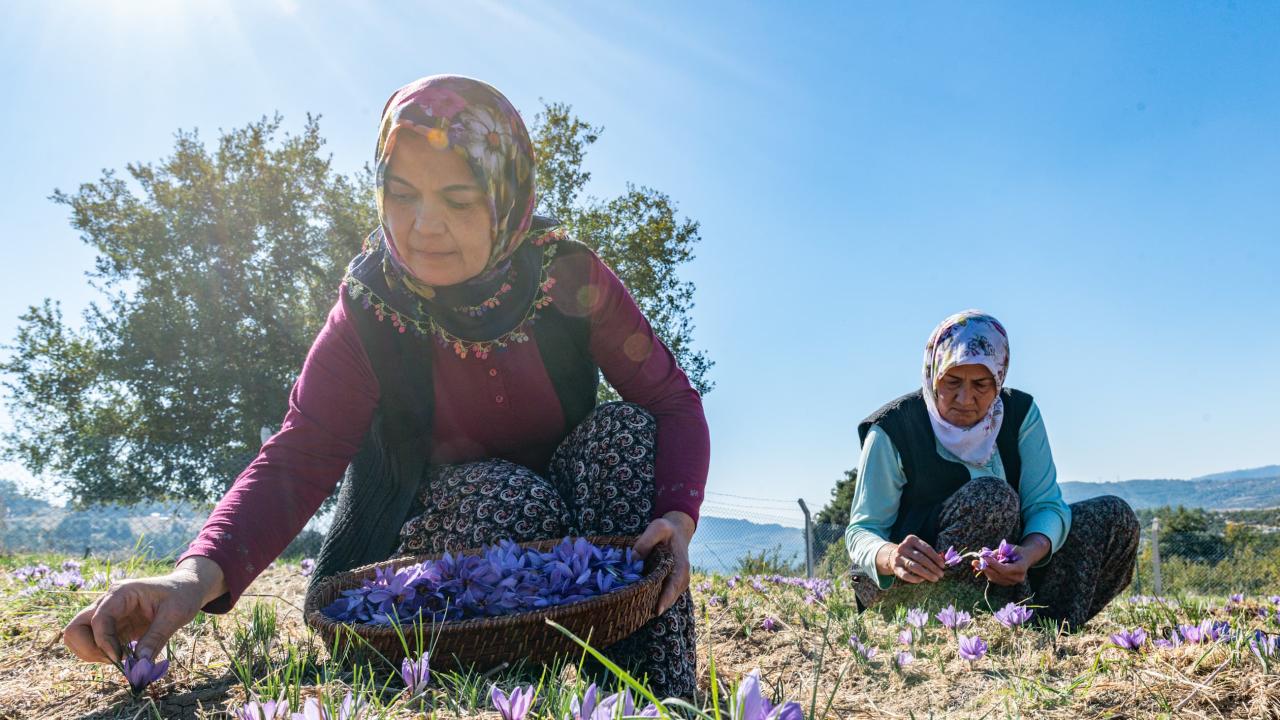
<point x="1027" y="673"/>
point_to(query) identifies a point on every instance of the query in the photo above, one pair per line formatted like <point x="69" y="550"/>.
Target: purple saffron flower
<point x="751" y="705"/>
<point x="769" y="624"/>
<point x="1191" y="634"/>
<point x="1237" y="598"/>
<point x="906" y="638"/>
<point x="972" y="648"/>
<point x="1173" y="641"/>
<point x="586" y="709"/>
<point x="620" y="704"/>
<point x="1129" y="639"/>
<point x="953" y="619"/>
<point x="1007" y="554"/>
<point x="269" y="710"/>
<point x="141" y="671"/>
<point x="313" y="709"/>
<point x="865" y="651"/>
<point x="514" y="707"/>
<point x="704" y="586"/>
<point x="1264" y="646"/>
<point x="903" y="658"/>
<point x="1275" y="599"/>
<point x="307" y="566"/>
<point x="1012" y="615"/>
<point x="917" y="618"/>
<point x="951" y="557"/>
<point x="416" y="673"/>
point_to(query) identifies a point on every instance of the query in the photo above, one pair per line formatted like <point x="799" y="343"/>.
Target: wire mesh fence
<point x="735" y="535"/>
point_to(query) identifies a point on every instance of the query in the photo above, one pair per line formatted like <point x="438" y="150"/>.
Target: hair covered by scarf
<point x="476" y="121"/>
<point x="971" y="337"/>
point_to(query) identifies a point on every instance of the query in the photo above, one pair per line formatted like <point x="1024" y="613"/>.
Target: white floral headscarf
<point x="967" y="338"/>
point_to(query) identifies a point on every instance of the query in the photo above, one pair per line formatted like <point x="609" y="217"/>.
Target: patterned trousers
<point x="600" y="482"/>
<point x="1093" y="565"/>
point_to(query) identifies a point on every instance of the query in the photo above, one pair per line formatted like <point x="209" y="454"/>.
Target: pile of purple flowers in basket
<point x="503" y="580"/>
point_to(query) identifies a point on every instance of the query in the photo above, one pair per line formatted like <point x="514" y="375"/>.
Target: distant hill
<point x="1225" y="491"/>
<point x="1268" y="471"/>
<point x="721" y="542"/>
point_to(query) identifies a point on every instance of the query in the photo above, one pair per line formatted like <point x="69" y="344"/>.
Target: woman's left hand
<point x="676" y="529"/>
<point x="1033" y="549"/>
<point x="1006" y="573"/>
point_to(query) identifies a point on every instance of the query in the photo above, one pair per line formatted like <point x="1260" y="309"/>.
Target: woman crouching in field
<point x="964" y="463"/>
<point x="454" y="384"/>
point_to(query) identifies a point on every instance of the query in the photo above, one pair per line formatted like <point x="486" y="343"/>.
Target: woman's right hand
<point x="912" y="560"/>
<point x="151" y="609"/>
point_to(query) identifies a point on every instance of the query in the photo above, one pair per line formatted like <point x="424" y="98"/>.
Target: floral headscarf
<point x="967" y="338"/>
<point x="476" y="121"/>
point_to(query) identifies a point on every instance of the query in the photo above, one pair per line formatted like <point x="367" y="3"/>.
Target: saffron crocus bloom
<point x="307" y="566"/>
<point x="951" y="557"/>
<point x="769" y="624"/>
<point x="314" y="710"/>
<point x="620" y="704"/>
<point x="1129" y="639"/>
<point x="1173" y="640"/>
<point x="1007" y="554"/>
<point x="917" y="618"/>
<point x="1191" y="634"/>
<point x="903" y="658"/>
<point x="1264" y="645"/>
<point x="586" y="709"/>
<point x="269" y="710"/>
<point x="1237" y="598"/>
<point x="751" y="705"/>
<point x="141" y="671"/>
<point x="972" y="648"/>
<point x="1275" y="599"/>
<point x="416" y="673"/>
<point x="1012" y="615"/>
<point x="867" y="652"/>
<point x="513" y="707"/>
<point x="906" y="638"/>
<point x="953" y="619"/>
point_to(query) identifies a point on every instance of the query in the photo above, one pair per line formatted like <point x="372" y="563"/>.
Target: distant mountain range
<point x="1234" y="490"/>
<point x="721" y="542"/>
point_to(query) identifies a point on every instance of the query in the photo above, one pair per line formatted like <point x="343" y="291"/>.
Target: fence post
<point x="1155" y="557"/>
<point x="808" y="539"/>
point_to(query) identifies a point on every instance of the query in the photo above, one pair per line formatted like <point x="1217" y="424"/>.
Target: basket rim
<point x="663" y="562"/>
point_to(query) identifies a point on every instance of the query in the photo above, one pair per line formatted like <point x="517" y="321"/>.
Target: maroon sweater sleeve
<point x="330" y="408"/>
<point x="643" y="371"/>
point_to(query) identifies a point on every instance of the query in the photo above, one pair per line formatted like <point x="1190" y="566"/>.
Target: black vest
<point x="379" y="489"/>
<point x="930" y="478"/>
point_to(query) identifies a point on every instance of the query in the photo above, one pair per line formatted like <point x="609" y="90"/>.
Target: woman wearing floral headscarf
<point x="964" y="463"/>
<point x="453" y="389"/>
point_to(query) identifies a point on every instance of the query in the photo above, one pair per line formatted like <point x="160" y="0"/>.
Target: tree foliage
<point x="216" y="268"/>
<point x="833" y="519"/>
<point x="638" y="233"/>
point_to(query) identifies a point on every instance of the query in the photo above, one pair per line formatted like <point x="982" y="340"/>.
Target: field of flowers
<point x="816" y="657"/>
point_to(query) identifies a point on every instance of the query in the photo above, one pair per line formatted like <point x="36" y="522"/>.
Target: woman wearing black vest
<point x="964" y="463"/>
<point x="453" y="390"/>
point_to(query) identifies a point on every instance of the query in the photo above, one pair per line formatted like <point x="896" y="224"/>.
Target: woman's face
<point x="437" y="214"/>
<point x="965" y="394"/>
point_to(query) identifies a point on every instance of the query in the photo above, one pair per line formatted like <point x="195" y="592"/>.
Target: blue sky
<point x="1100" y="176"/>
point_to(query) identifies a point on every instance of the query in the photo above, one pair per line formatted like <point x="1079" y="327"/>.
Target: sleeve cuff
<point x="236" y="582"/>
<point x="1051" y="527"/>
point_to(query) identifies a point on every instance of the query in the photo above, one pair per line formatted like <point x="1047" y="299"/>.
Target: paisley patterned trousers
<point x="600" y="482"/>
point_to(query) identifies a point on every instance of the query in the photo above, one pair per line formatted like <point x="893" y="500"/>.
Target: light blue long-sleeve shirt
<point x="881" y="479"/>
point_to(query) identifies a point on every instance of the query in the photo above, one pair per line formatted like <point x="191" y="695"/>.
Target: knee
<point x="994" y="494"/>
<point x="624" y="413"/>
<point x="1121" y="515"/>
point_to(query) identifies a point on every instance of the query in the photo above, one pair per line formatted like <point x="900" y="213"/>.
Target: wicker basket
<point x="488" y="642"/>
